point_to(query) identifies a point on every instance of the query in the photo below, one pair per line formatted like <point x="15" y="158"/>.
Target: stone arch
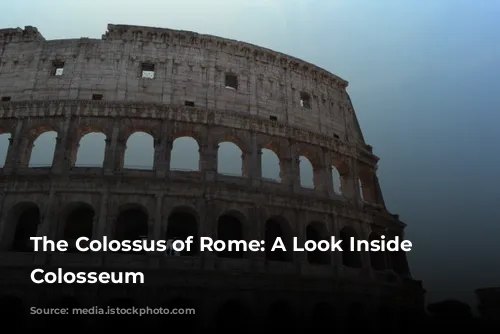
<point x="132" y="223"/>
<point x="317" y="231"/>
<point x="377" y="259"/>
<point x="367" y="184"/>
<point x="188" y="322"/>
<point x="139" y="151"/>
<point x="127" y="323"/>
<point x="361" y="191"/>
<point x="24" y="217"/>
<point x="71" y="320"/>
<point x="232" y="315"/>
<point x="185" y="154"/>
<point x="270" y="164"/>
<point x="77" y="220"/>
<point x="230" y="159"/>
<point x="322" y="317"/>
<point x="231" y="226"/>
<point x="306" y="169"/>
<point x="280" y="317"/>
<point x="182" y="223"/>
<point x="340" y="174"/>
<point x="5" y="138"/>
<point x="42" y="153"/>
<point x="278" y="227"/>
<point x="337" y="180"/>
<point x="91" y="149"/>
<point x="310" y="159"/>
<point x="13" y="312"/>
<point x="350" y="258"/>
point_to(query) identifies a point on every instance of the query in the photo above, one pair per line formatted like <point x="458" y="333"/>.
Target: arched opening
<point x="270" y="165"/>
<point x="26" y="227"/>
<point x="377" y="259"/>
<point x="131" y="224"/>
<point x="78" y="223"/>
<point x="278" y="228"/>
<point x="44" y="147"/>
<point x="306" y="172"/>
<point x="181" y="225"/>
<point x="71" y="320"/>
<point x="13" y="312"/>
<point x="4" y="147"/>
<point x="185" y="154"/>
<point x="139" y="152"/>
<point x="123" y="323"/>
<point x="337" y="181"/>
<point x="229" y="228"/>
<point x="280" y="317"/>
<point x="91" y="150"/>
<point x="316" y="232"/>
<point x="230" y="159"/>
<point x="182" y="315"/>
<point x="322" y="317"/>
<point x="361" y="190"/>
<point x="350" y="258"/>
<point x="231" y="316"/>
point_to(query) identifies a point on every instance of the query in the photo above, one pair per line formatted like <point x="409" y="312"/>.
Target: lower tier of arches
<point x="212" y="301"/>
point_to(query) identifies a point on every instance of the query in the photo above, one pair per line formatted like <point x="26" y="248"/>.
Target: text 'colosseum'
<point x="177" y="97"/>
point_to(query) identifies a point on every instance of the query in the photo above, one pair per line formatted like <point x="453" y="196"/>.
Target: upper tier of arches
<point x="66" y="143"/>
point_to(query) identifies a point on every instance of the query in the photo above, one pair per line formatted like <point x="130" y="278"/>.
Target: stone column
<point x="110" y="151"/>
<point x="163" y="146"/>
<point x="62" y="154"/>
<point x="99" y="230"/>
<point x="328" y="178"/>
<point x="14" y="152"/>
<point x="254" y="164"/>
<point x="208" y="159"/>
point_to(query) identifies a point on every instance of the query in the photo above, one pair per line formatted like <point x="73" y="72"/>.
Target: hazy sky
<point x="425" y="82"/>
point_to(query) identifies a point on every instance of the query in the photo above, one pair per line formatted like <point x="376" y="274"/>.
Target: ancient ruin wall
<point x="187" y="67"/>
<point x="279" y="103"/>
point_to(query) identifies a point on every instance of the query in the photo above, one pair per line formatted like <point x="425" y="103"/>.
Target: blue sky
<point x="424" y="79"/>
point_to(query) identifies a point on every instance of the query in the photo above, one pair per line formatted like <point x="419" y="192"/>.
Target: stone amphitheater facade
<point x="173" y="84"/>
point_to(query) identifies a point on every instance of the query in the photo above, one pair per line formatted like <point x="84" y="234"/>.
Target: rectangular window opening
<point x="231" y="81"/>
<point x="96" y="97"/>
<point x="189" y="103"/>
<point x="5" y="98"/>
<point x="57" y="68"/>
<point x="273" y="118"/>
<point x="305" y="100"/>
<point x="148" y="71"/>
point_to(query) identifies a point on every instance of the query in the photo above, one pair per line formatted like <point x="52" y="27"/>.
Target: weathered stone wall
<point x="191" y="67"/>
<point x="187" y="67"/>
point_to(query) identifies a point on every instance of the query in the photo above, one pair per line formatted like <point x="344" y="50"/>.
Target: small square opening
<point x="305" y="100"/>
<point x="231" y="81"/>
<point x="5" y="98"/>
<point x="336" y="136"/>
<point x="189" y="103"/>
<point x="57" y="68"/>
<point x="96" y="97"/>
<point x="148" y="70"/>
<point x="273" y="118"/>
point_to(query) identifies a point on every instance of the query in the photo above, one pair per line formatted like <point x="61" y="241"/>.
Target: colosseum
<point x="189" y="96"/>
